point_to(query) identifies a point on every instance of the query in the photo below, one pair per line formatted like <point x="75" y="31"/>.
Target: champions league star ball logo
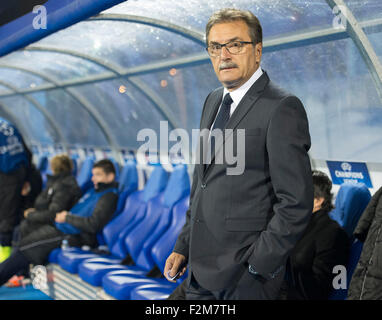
<point x="346" y="166"/>
<point x="6" y="129"/>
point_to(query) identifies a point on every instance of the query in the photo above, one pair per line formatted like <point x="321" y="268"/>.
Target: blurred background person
<point x="366" y="282"/>
<point x="61" y="193"/>
<point x="323" y="245"/>
<point x="15" y="171"/>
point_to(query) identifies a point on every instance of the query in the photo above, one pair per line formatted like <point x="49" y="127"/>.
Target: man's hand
<point x="28" y="211"/>
<point x="61" y="216"/>
<point x="173" y="264"/>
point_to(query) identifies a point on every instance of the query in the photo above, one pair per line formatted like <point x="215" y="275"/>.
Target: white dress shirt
<point x="240" y="92"/>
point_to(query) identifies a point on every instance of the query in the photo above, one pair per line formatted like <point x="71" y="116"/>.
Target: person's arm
<point x="62" y="199"/>
<point x="367" y="217"/>
<point x="178" y="259"/>
<point x="288" y="142"/>
<point x="101" y="215"/>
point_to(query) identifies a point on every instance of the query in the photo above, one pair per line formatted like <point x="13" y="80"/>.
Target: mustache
<point x="227" y="65"/>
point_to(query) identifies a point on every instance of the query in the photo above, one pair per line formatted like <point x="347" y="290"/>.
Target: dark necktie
<point x="221" y="120"/>
<point x="223" y="115"/>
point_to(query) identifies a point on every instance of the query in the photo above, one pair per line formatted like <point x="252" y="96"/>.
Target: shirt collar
<point x="240" y="92"/>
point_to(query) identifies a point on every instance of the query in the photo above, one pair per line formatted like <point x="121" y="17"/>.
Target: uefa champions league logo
<point x="345" y="166"/>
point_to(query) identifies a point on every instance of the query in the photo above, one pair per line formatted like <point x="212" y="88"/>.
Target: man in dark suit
<point x="240" y="228"/>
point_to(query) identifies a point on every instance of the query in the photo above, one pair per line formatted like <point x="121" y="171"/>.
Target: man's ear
<point x="110" y="177"/>
<point x="258" y="52"/>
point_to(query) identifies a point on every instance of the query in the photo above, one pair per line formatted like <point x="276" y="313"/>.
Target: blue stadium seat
<point x="70" y="258"/>
<point x="116" y="167"/>
<point x="43" y="166"/>
<point x="160" y="252"/>
<point x="53" y="256"/>
<point x="151" y="291"/>
<point x="155" y="184"/>
<point x="350" y="203"/>
<point x="75" y="160"/>
<point x="127" y="184"/>
<point x="121" y="283"/>
<point x="42" y="162"/>
<point x="132" y="214"/>
<point x="142" y="238"/>
<point x="85" y="174"/>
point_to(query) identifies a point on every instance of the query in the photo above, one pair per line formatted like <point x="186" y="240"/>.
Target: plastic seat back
<point x="127" y="184"/>
<point x="165" y="244"/>
<point x="85" y="174"/>
<point x="350" y="203"/>
<point x="177" y="189"/>
<point x="135" y="211"/>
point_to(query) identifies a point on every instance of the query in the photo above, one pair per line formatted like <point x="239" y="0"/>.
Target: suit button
<point x="203" y="186"/>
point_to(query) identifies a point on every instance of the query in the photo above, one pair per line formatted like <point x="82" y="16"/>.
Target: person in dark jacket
<point x="15" y="161"/>
<point x="61" y="193"/>
<point x="366" y="282"/>
<point x="31" y="189"/>
<point x="79" y="230"/>
<point x="323" y="245"/>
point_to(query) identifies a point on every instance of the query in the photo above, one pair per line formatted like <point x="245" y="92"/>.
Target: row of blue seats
<point x="124" y="236"/>
<point x="146" y="229"/>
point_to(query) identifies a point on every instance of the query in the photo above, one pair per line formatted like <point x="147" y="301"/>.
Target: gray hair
<point x="229" y="15"/>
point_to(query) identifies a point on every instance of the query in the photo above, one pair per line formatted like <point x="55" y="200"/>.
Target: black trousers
<point x="14" y="264"/>
<point x="33" y="248"/>
<point x="247" y="288"/>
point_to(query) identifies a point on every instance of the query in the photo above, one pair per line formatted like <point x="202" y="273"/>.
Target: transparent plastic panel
<point x="56" y="65"/>
<point x="276" y="16"/>
<point x="342" y="104"/>
<point x="122" y="43"/>
<point x="20" y="79"/>
<point x="365" y="9"/>
<point x="375" y="40"/>
<point x="76" y="123"/>
<point x="34" y="122"/>
<point x="4" y="90"/>
<point x="125" y="109"/>
<point x="184" y="91"/>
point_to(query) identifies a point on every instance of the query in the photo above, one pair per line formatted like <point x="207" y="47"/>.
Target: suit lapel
<point x="206" y="123"/>
<point x="248" y="101"/>
<point x="241" y="110"/>
<point x="211" y="111"/>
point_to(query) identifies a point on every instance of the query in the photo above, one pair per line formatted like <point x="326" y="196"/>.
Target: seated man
<point x="323" y="245"/>
<point x="79" y="227"/>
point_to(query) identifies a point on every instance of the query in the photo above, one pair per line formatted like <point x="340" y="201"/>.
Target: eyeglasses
<point x="233" y="47"/>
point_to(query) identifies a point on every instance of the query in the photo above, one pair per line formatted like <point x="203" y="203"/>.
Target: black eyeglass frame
<point x="225" y="45"/>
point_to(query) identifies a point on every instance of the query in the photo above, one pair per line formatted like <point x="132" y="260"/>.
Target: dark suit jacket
<point x="258" y="216"/>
